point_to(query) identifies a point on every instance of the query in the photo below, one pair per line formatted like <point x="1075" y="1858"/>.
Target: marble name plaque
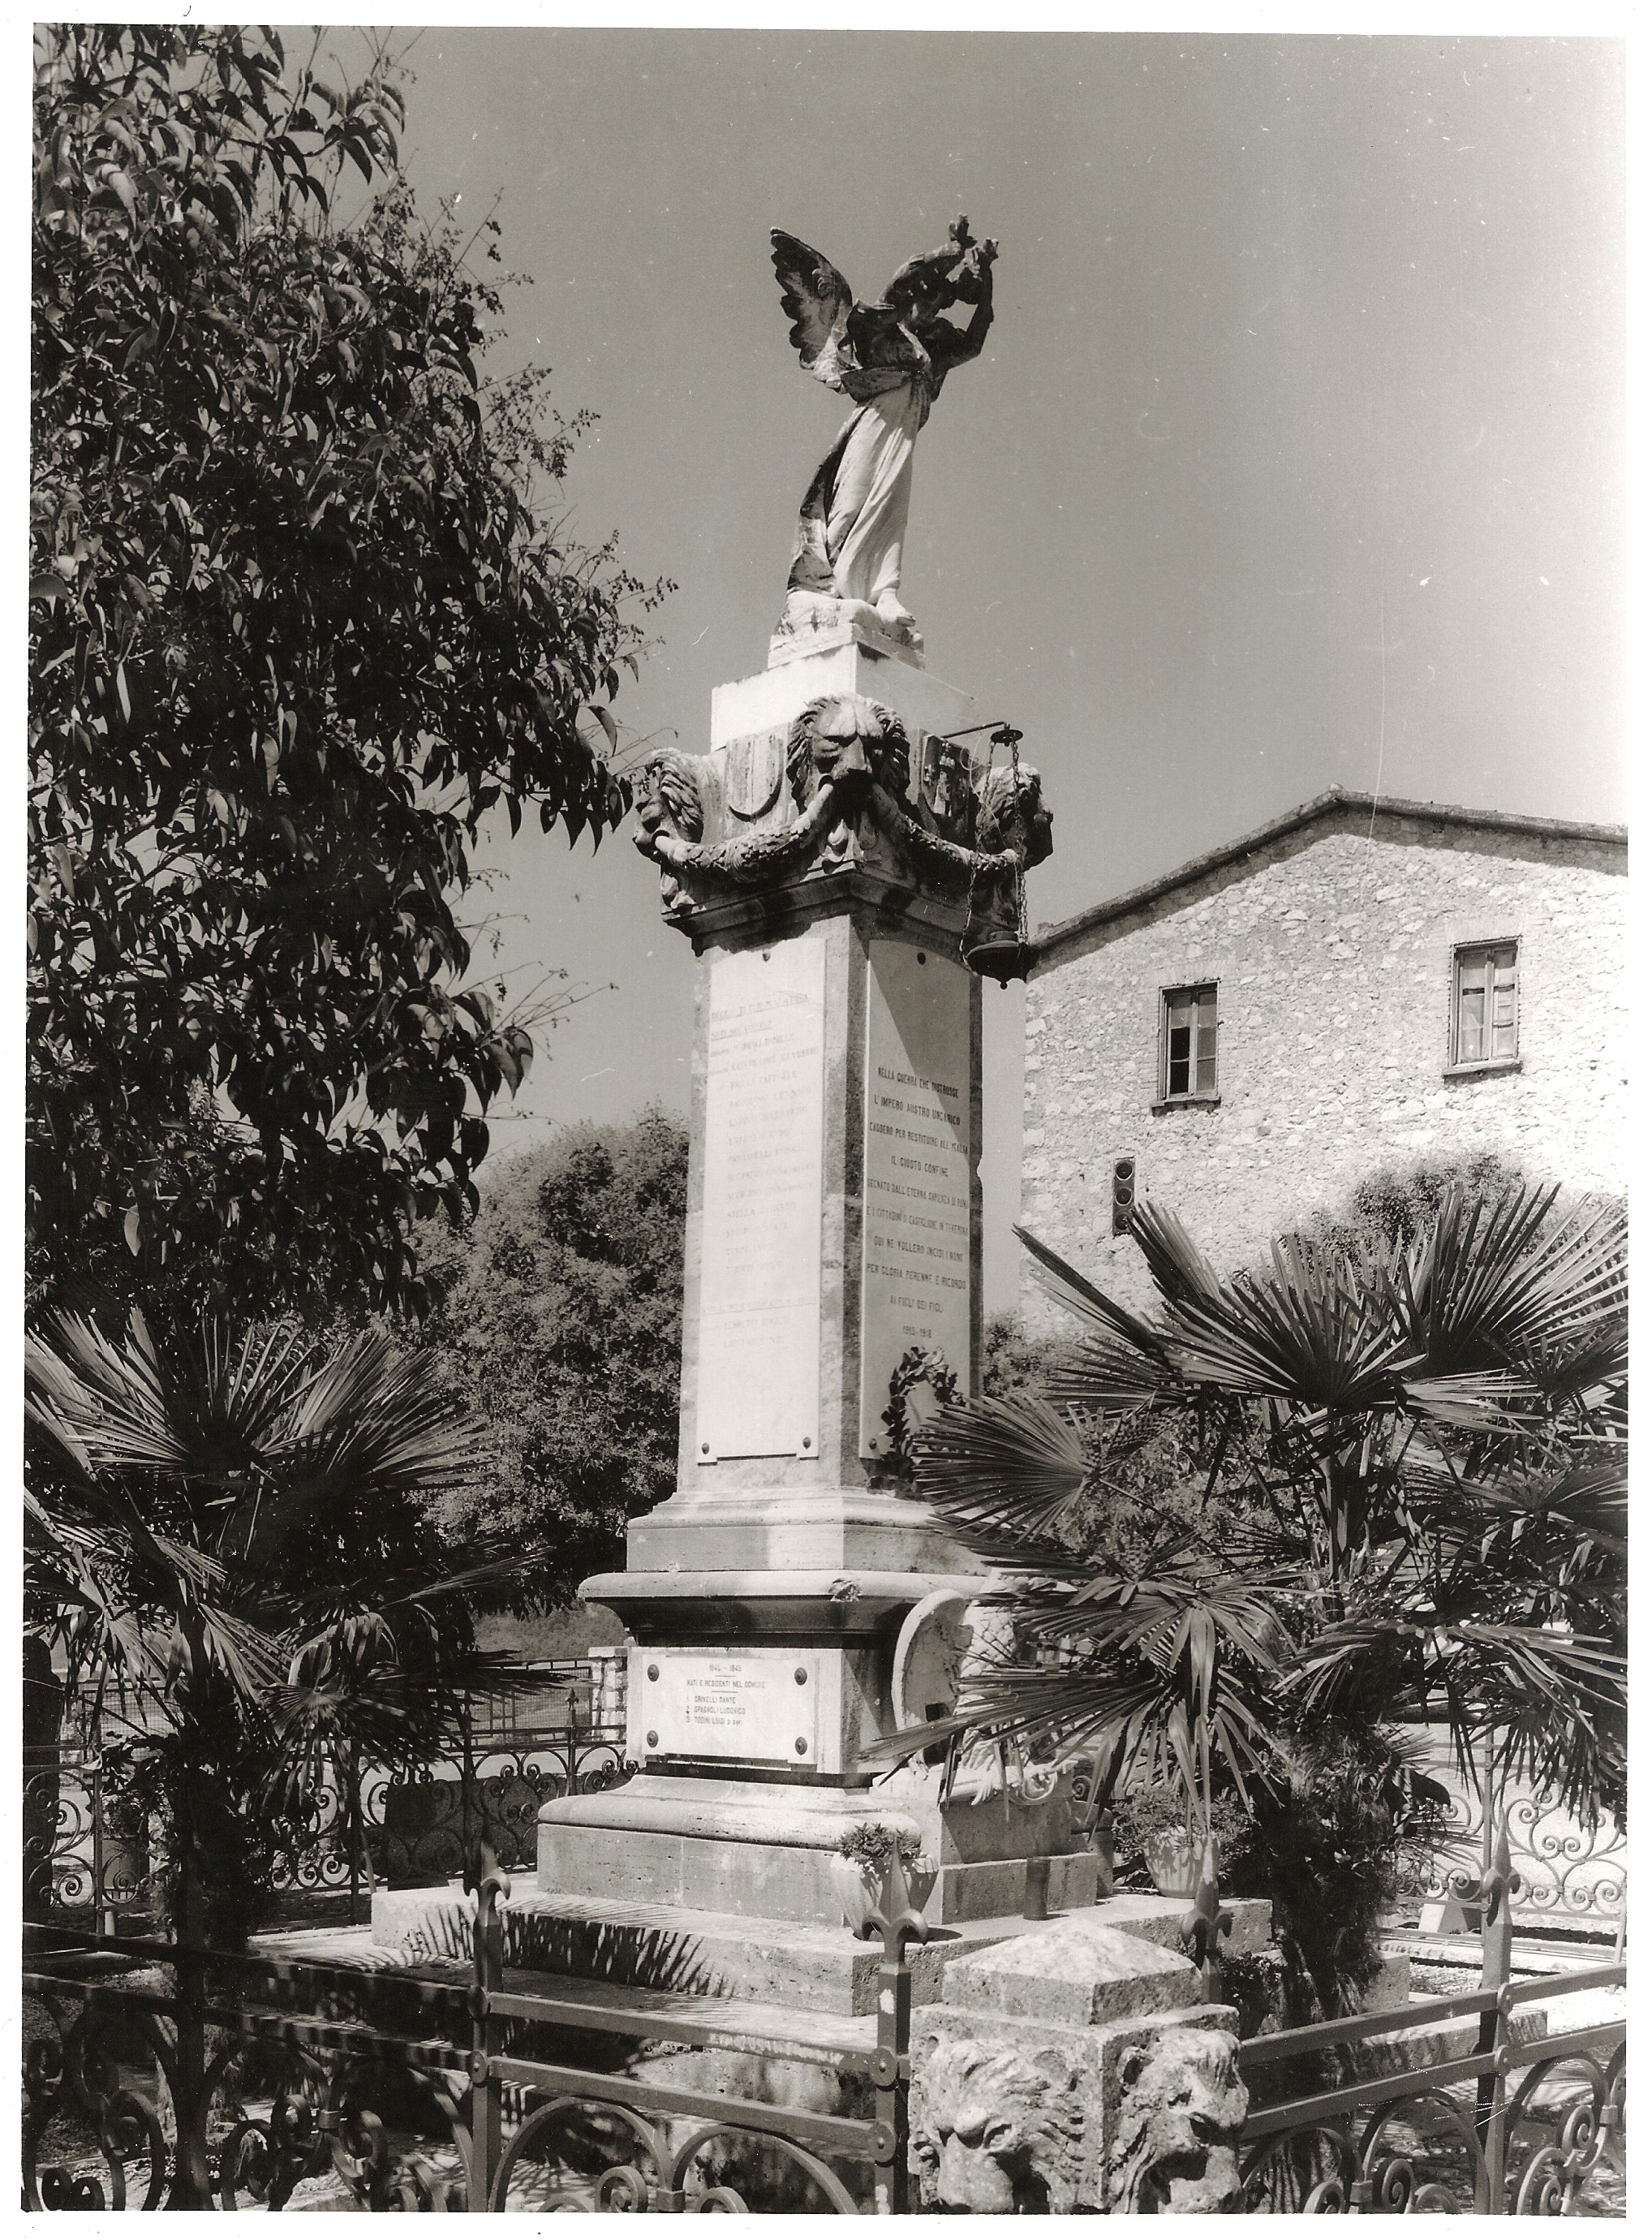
<point x="758" y="1390"/>
<point x="760" y="1706"/>
<point x="919" y="1173"/>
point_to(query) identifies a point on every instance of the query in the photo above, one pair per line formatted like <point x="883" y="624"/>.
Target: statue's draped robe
<point x="853" y="522"/>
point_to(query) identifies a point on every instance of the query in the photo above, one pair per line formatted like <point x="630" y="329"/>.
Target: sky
<point x="1294" y="458"/>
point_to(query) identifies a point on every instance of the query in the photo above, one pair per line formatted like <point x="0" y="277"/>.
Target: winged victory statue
<point x="891" y="357"/>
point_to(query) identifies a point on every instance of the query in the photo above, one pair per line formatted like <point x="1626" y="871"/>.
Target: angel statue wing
<point x="817" y="300"/>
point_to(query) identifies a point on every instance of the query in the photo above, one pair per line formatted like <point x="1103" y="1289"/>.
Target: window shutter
<point x="1503" y="1022"/>
<point x="1205" y="1068"/>
<point x="1486" y="1023"/>
<point x="1189" y="1043"/>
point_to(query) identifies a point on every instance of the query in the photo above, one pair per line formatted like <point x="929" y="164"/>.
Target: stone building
<point x="1356" y="986"/>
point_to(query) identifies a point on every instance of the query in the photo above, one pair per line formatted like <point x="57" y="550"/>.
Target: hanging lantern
<point x="994" y="942"/>
<point x="996" y="952"/>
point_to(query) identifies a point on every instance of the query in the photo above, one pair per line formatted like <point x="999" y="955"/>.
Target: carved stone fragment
<point x="998" y="2132"/>
<point x="1175" y="2141"/>
<point x="1074" y="2071"/>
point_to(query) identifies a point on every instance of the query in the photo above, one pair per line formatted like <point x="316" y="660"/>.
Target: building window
<point x="1485" y="1011"/>
<point x="1189" y="1043"/>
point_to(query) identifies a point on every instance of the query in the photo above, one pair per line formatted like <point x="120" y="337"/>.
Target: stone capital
<point x="841" y="791"/>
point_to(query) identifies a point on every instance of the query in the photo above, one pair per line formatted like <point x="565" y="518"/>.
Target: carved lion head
<point x="668" y="795"/>
<point x="1179" y="2117"/>
<point x="997" y="2132"/>
<point x="848" y="743"/>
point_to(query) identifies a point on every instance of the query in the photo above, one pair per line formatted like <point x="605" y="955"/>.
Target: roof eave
<point x="1337" y="802"/>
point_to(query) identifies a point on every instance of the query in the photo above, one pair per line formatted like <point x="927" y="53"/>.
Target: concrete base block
<point x="399" y="1916"/>
<point x="850" y="658"/>
<point x="1447" y="1917"/>
<point x="1392" y="1987"/>
<point x="769" y="1848"/>
<point x="782" y="1882"/>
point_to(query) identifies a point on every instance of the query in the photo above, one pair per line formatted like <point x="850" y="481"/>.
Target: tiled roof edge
<point x="1323" y="805"/>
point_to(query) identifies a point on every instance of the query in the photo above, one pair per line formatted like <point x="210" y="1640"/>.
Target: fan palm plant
<point x="233" y="1528"/>
<point x="1400" y="1495"/>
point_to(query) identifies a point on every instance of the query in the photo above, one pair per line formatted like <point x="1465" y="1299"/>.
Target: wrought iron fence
<point x="203" y="2080"/>
<point x="393" y="1825"/>
<point x="363" y="1823"/>
<point x="1502" y="2122"/>
<point x="1568" y="1875"/>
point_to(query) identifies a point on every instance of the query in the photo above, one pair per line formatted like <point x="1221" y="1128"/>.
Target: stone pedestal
<point x="1077" y="2070"/>
<point x="825" y="858"/>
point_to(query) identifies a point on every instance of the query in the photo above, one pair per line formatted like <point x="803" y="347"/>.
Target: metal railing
<point x="1506" y="2121"/>
<point x="167" y="2077"/>
<point x="363" y="1823"/>
<point x="1569" y="1875"/>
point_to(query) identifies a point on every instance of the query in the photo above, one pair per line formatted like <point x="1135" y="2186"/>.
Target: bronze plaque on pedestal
<point x="757" y="1706"/>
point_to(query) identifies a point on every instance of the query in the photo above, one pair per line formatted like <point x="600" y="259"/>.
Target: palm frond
<point x="364" y="1422"/>
<point x="1003" y="1471"/>
<point x="1103" y="1374"/>
<point x="1304" y="1335"/>
<point x="1179" y="1270"/>
<point x="1487" y="1401"/>
<point x="1489" y="1284"/>
<point x="1078" y="1295"/>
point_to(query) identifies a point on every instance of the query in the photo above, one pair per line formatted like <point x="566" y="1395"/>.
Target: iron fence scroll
<point x="204" y="2080"/>
<point x="1447" y="2134"/>
<point x="361" y="1823"/>
<point x="1568" y="1874"/>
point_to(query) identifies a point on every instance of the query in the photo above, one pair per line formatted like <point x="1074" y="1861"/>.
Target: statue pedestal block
<point x="736" y="1847"/>
<point x="849" y="660"/>
<point x="793" y="1604"/>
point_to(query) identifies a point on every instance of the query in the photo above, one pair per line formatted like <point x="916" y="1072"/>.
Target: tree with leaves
<point x="562" y="1301"/>
<point x="299" y="622"/>
<point x="233" y="1530"/>
<point x="1395" y="1489"/>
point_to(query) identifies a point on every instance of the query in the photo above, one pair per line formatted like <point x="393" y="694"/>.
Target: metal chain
<point x="975" y="851"/>
<point x="1021" y="864"/>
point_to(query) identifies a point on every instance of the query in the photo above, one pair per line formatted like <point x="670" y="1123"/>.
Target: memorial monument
<point x="847" y="858"/>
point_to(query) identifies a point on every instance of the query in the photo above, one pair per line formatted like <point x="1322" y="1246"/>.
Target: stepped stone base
<point x="735" y="1846"/>
<point x="689" y="1951"/>
<point x="694" y="1952"/>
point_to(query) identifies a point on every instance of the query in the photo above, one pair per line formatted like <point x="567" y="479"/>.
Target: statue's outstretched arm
<point x="973" y="339"/>
<point x="949" y="345"/>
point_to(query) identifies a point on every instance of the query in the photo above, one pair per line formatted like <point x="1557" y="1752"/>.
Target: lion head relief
<point x="1013" y="817"/>
<point x="996" y="2131"/>
<point x="1182" y="2106"/>
<point x="850" y="743"/>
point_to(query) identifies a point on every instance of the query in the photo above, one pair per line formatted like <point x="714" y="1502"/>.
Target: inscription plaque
<point x="759" y="1705"/>
<point x="758" y="1388"/>
<point x="916" y="1262"/>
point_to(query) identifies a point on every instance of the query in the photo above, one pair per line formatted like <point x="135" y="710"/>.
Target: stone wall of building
<point x="1332" y="952"/>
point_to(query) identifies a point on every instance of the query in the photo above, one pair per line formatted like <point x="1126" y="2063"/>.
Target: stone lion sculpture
<point x="997" y="2132"/>
<point x="850" y="743"/>
<point x="838" y="750"/>
<point x="1012" y="818"/>
<point x="1174" y="2145"/>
